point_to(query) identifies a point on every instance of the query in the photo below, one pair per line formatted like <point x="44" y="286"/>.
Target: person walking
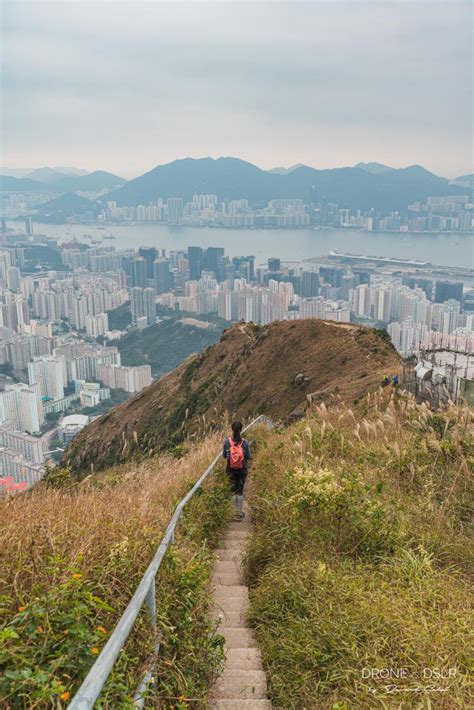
<point x="236" y="451"/>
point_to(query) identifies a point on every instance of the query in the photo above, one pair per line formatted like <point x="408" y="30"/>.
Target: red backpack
<point x="236" y="455"/>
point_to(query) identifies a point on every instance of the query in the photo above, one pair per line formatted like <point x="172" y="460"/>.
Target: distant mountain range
<point x="54" y="182"/>
<point x="45" y="174"/>
<point x="231" y="178"/>
<point x="374" y="168"/>
<point x="364" y="186"/>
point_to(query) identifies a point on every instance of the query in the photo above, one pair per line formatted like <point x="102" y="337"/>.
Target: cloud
<point x="124" y="86"/>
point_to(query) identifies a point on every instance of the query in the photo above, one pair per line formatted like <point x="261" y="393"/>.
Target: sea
<point x="290" y="245"/>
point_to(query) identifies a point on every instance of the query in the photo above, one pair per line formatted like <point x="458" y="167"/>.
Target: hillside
<point x="13" y="184"/>
<point x="361" y="557"/>
<point x="166" y="345"/>
<point x="81" y="561"/>
<point x="252" y="370"/>
<point x="230" y="178"/>
<point x="57" y="210"/>
<point x="92" y="182"/>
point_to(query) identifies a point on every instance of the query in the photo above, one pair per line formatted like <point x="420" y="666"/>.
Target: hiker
<point x="385" y="380"/>
<point x="237" y="453"/>
<point x="395" y="380"/>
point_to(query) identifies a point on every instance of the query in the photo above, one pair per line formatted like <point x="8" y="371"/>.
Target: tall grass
<point x="73" y="557"/>
<point x="361" y="555"/>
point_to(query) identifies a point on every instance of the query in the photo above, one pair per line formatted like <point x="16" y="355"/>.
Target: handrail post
<point x="151" y="604"/>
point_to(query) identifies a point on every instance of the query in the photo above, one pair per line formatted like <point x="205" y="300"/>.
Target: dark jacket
<point x="226" y="453"/>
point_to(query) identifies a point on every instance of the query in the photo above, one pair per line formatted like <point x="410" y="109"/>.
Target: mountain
<point x="464" y="181"/>
<point x="285" y="171"/>
<point x="13" y="184"/>
<point x="28" y="172"/>
<point x="15" y="172"/>
<point x="92" y="182"/>
<point x="69" y="170"/>
<point x="231" y="178"/>
<point x="374" y="168"/>
<point x="253" y="369"/>
<point x="49" y="176"/>
<point x="58" y="210"/>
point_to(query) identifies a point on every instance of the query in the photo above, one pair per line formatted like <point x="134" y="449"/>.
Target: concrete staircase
<point x="242" y="685"/>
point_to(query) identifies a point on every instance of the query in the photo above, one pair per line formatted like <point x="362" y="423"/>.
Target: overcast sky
<point x="126" y="86"/>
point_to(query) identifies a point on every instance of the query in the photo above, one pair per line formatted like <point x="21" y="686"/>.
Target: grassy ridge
<point x="73" y="555"/>
<point x="360" y="557"/>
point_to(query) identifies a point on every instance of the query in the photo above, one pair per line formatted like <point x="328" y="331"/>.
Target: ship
<point x="386" y="260"/>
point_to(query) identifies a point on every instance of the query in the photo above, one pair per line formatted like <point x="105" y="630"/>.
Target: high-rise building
<point x="143" y="304"/>
<point x="28" y="225"/>
<point x="14" y="278"/>
<point x="49" y="373"/>
<point x="446" y="290"/>
<point x="309" y="284"/>
<point x="97" y="325"/>
<point x="175" y="210"/>
<point x="274" y="263"/>
<point x="195" y="260"/>
<point x="212" y="258"/>
<point x="21" y="405"/>
<point x="139" y="273"/>
<point x="149" y="254"/>
<point x="162" y="276"/>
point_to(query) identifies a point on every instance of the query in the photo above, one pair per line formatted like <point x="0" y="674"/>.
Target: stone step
<point x="237" y="534"/>
<point x="226" y="566"/>
<point x="227" y="579"/>
<point x="236" y="544"/>
<point x="240" y="705"/>
<point x="238" y="638"/>
<point x="228" y="605"/>
<point x="243" y="659"/>
<point x="228" y="592"/>
<point x="239" y="526"/>
<point x="234" y="619"/>
<point x="234" y="684"/>
<point x="224" y="555"/>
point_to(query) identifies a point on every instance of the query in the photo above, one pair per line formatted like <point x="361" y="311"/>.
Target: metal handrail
<point x="95" y="680"/>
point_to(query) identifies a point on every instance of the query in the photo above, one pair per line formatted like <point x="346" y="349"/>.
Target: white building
<point x="30" y="447"/>
<point x="51" y="375"/>
<point x="97" y="325"/>
<point x="72" y="425"/>
<point x="21" y="405"/>
<point x="130" y="379"/>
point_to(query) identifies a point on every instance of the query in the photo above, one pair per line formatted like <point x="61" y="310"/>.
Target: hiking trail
<point x="243" y="684"/>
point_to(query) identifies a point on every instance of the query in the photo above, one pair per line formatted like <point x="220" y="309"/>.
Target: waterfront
<point x="454" y="249"/>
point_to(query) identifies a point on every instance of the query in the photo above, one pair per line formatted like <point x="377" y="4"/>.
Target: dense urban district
<point x="84" y="326"/>
<point x="231" y="193"/>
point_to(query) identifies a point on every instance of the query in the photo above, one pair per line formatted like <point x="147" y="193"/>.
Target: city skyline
<point x="325" y="84"/>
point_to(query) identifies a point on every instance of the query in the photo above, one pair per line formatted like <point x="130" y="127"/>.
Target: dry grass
<point x="362" y="553"/>
<point x="87" y="525"/>
<point x="252" y="370"/>
<point x="72" y="559"/>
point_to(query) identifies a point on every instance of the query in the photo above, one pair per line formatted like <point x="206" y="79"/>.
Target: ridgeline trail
<point x="243" y="684"/>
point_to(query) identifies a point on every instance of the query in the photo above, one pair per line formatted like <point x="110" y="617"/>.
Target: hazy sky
<point x="124" y="86"/>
